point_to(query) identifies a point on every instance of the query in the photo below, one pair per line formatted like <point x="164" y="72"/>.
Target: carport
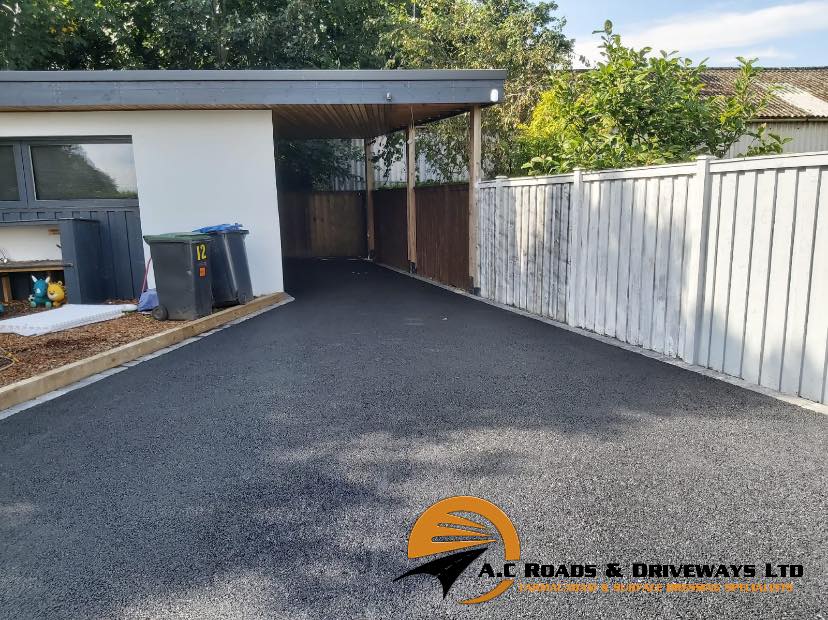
<point x="202" y="147"/>
<point x="427" y="229"/>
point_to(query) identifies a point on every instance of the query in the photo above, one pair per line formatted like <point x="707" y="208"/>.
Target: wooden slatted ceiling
<point x="354" y="120"/>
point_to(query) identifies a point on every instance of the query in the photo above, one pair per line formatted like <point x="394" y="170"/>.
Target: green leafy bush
<point x="633" y="109"/>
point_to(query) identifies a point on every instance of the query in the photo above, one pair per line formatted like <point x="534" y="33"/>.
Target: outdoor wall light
<point x="388" y="96"/>
<point x="494" y="95"/>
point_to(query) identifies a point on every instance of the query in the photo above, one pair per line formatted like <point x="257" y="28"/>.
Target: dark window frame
<point x="26" y="181"/>
<point x="17" y="153"/>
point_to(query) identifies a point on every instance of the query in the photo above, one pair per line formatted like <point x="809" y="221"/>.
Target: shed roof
<point x="312" y="103"/>
<point x="800" y="92"/>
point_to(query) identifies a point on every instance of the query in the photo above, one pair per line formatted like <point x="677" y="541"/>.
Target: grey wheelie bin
<point x="231" y="272"/>
<point x="181" y="263"/>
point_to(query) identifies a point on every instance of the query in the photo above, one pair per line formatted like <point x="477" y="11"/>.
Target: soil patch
<point x="22" y="357"/>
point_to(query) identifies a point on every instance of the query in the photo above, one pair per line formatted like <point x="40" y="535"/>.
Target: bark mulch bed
<point x="22" y="357"/>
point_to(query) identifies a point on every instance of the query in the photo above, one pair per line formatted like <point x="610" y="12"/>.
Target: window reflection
<point x="8" y="174"/>
<point x="84" y="171"/>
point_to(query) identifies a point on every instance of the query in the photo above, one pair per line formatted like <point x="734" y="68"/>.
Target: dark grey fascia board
<point x="254" y="75"/>
<point x="21" y="90"/>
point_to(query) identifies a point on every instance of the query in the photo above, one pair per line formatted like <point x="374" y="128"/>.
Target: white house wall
<point x="194" y="169"/>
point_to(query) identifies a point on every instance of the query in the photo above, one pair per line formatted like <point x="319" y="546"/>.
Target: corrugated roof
<point x="802" y="92"/>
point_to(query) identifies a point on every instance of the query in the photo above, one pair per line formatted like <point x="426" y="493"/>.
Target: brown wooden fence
<point x="322" y="224"/>
<point x="391" y="228"/>
<point x="443" y="233"/>
<point x="333" y="224"/>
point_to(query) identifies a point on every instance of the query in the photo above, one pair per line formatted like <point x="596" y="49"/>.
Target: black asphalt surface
<point x="274" y="469"/>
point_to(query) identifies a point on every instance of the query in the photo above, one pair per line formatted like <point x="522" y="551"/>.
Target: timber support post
<point x="369" y="199"/>
<point x="410" y="198"/>
<point x="474" y="208"/>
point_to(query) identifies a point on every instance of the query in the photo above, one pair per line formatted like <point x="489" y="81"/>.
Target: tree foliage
<point x="56" y="34"/>
<point x="314" y="164"/>
<point x="190" y="34"/>
<point x="634" y="109"/>
<point x="521" y="36"/>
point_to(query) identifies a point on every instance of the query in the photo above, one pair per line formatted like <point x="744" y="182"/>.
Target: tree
<point x="634" y="109"/>
<point x="56" y="34"/>
<point x="190" y="34"/>
<point x="520" y="36"/>
<point x="314" y="164"/>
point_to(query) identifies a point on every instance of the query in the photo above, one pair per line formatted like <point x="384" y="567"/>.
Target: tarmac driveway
<point x="274" y="469"/>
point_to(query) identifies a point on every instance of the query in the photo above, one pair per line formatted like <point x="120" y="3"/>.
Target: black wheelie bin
<point x="228" y="260"/>
<point x="181" y="263"/>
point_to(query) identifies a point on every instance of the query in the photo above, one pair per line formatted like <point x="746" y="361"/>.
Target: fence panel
<point x="813" y="381"/>
<point x="764" y="313"/>
<point x="719" y="262"/>
<point x="631" y="254"/>
<point x="391" y="227"/>
<point x="524" y="238"/>
<point x="443" y="233"/>
<point x="322" y="224"/>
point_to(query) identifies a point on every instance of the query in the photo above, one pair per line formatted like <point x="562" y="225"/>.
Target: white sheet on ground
<point x="65" y="317"/>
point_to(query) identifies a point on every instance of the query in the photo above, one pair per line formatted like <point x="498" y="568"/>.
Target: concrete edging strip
<point x="793" y="400"/>
<point x="51" y="380"/>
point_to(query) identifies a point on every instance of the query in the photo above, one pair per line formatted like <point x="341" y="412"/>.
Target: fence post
<point x="500" y="243"/>
<point x="572" y="265"/>
<point x="696" y="236"/>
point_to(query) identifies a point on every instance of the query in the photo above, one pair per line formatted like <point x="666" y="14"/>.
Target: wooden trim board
<point x="27" y="389"/>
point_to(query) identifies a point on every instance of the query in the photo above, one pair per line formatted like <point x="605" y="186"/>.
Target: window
<point x="80" y="171"/>
<point x="8" y="173"/>
<point x="48" y="172"/>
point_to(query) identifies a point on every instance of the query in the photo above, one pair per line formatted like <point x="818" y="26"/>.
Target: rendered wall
<point x="194" y="168"/>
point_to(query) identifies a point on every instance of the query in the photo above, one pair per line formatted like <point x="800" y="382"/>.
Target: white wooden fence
<point x="722" y="263"/>
<point x="524" y="241"/>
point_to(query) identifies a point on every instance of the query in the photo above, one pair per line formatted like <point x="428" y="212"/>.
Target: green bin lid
<point x="177" y="237"/>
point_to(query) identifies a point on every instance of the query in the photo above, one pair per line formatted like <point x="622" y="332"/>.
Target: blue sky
<point x="779" y="33"/>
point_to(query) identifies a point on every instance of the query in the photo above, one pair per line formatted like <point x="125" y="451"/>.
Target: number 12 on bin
<point x="201" y="254"/>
